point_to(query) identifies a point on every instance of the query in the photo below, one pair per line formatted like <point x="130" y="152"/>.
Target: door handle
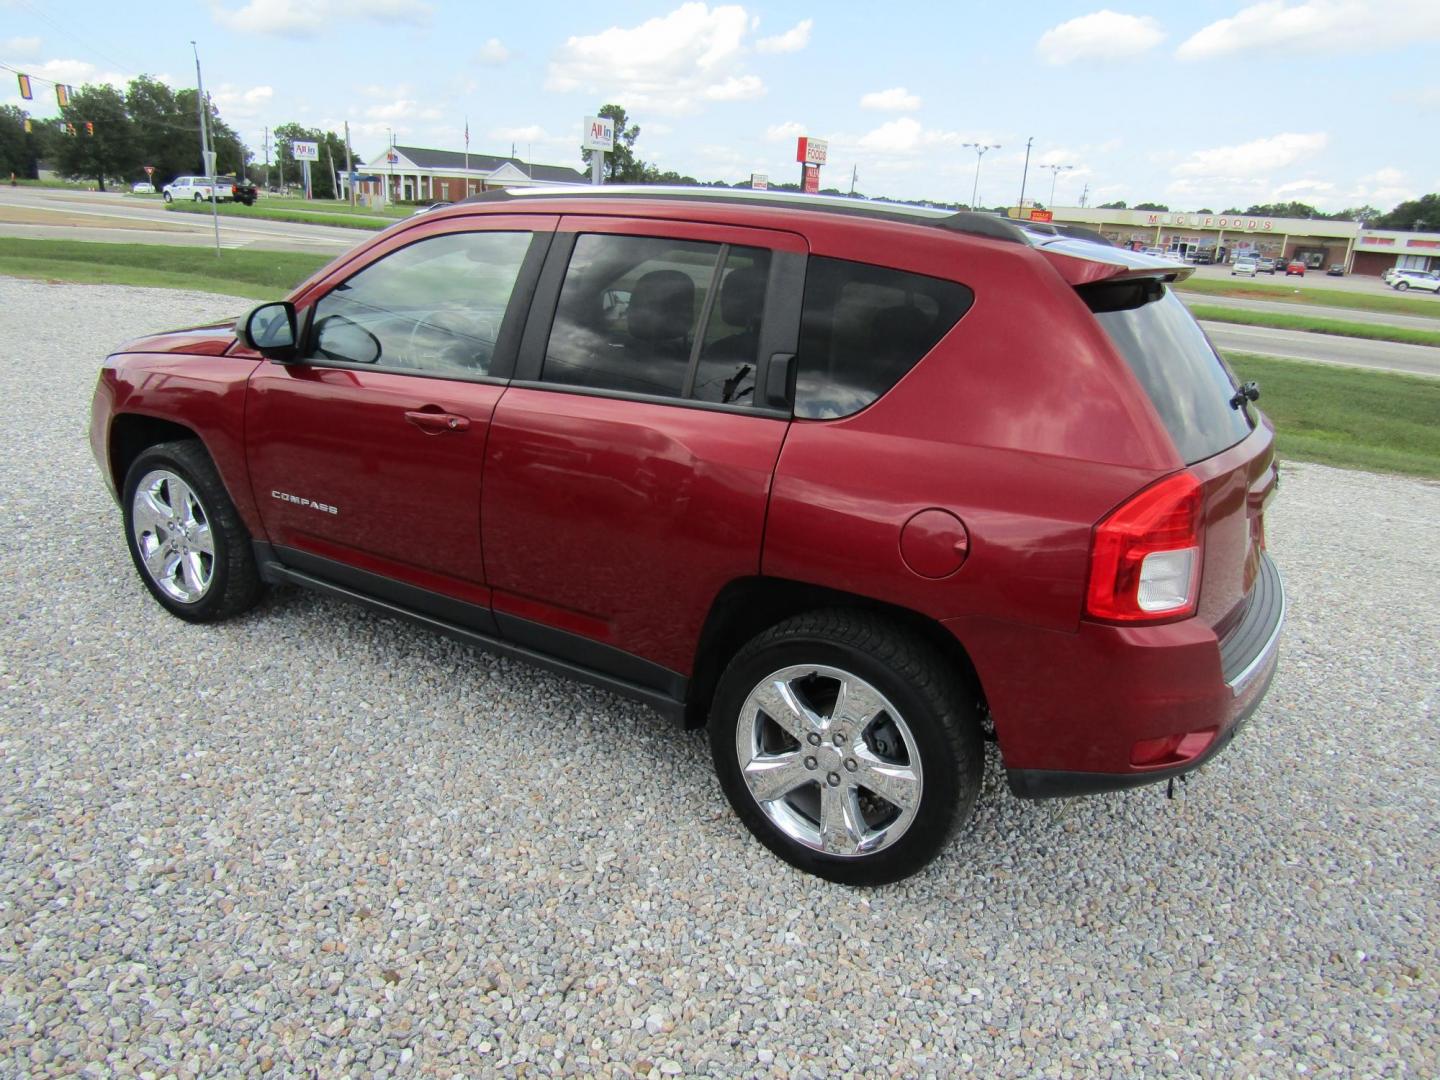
<point x="437" y="423"/>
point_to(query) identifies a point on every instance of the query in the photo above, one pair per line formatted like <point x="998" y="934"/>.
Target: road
<point x="1325" y="349"/>
<point x="113" y="217"/>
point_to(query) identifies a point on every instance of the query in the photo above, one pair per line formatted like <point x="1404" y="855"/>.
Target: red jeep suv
<point x="857" y="486"/>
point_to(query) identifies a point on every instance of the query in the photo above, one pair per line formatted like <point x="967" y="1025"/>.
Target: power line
<point x="76" y="37"/>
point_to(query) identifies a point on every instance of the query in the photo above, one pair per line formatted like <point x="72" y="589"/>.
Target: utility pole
<point x="206" y="154"/>
<point x="267" y="157"/>
<point x="1025" y="175"/>
<point x="390" y="164"/>
<point x="1084" y="195"/>
<point x="854" y="172"/>
<point x="349" y="168"/>
<point x="330" y="156"/>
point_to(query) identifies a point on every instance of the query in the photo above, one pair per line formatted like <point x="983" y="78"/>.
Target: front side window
<point x="862" y="328"/>
<point x="647" y="315"/>
<point x="435" y="306"/>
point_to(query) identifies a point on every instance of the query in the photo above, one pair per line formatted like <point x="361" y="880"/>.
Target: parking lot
<point x="316" y="841"/>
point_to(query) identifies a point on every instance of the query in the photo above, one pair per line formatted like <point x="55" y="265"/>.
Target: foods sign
<point x="1207" y="221"/>
<point x="811" y="151"/>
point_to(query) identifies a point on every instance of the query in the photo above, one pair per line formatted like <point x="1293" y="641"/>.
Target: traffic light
<point x="25" y="87"/>
<point x="69" y="128"/>
<point x="89" y="128"/>
<point x="62" y="94"/>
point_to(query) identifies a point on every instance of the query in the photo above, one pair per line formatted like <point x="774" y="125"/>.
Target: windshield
<point x="1189" y="384"/>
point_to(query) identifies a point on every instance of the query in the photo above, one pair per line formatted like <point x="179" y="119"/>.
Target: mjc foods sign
<point x="1209" y="221"/>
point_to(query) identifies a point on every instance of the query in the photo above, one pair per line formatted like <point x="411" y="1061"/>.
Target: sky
<point x="1205" y="104"/>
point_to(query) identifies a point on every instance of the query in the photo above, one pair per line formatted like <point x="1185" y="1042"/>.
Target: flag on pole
<point x="25" y="87"/>
<point x="62" y="94"/>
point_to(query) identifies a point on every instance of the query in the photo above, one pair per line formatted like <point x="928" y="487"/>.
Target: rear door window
<point x="862" y="328"/>
<point x="660" y="316"/>
<point x="1185" y="378"/>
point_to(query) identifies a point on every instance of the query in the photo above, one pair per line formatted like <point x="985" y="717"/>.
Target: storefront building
<point x="1208" y="238"/>
<point x="418" y="174"/>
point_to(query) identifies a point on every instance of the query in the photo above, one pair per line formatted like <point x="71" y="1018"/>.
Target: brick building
<point x="419" y="174"/>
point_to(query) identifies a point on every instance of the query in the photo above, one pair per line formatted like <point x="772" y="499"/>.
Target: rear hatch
<point x="1219" y="433"/>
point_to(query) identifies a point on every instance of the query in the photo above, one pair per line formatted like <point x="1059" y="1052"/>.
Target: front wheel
<point x="1402" y="286"/>
<point x="185" y="536"/>
<point x="848" y="745"/>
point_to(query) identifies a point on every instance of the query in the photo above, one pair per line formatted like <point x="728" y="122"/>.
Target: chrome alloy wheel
<point x="172" y="534"/>
<point x="829" y="760"/>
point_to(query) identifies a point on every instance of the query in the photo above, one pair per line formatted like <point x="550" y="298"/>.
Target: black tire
<point x="938" y="709"/>
<point x="199" y="197"/>
<point x="233" y="585"/>
<point x="1402" y="286"/>
<point x="166" y="196"/>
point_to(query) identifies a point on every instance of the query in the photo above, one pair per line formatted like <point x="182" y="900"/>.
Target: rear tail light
<point x="1145" y="556"/>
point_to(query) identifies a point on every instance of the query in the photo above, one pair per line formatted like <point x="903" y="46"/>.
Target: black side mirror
<point x="270" y="330"/>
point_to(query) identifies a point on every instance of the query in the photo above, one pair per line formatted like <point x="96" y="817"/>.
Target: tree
<point x="21" y="150"/>
<point x="103" y="142"/>
<point x="1362" y="214"/>
<point x="621" y="164"/>
<point x="1204" y="210"/>
<point x="1152" y="206"/>
<point x="1118" y="204"/>
<point x="1418" y="214"/>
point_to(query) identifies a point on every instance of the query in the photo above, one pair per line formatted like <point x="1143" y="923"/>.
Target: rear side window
<point x="1180" y="370"/>
<point x="662" y="317"/>
<point x="862" y="328"/>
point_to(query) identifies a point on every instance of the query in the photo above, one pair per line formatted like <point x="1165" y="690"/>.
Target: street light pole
<point x="979" y="149"/>
<point x="1055" y="171"/>
<point x="1026" y="174"/>
<point x="206" y="155"/>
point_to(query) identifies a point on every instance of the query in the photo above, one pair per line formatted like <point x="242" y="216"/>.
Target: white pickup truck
<point x="197" y="188"/>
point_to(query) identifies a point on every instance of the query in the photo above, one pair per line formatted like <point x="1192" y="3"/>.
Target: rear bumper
<point x="1070" y="714"/>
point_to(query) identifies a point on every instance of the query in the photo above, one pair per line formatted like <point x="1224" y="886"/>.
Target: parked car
<point x="1405" y="280"/>
<point x="432" y="206"/>
<point x="661" y="446"/>
<point x="244" y="191"/>
<point x="1244" y="268"/>
<point x="1294" y="266"/>
<point x="142" y="188"/>
<point x="1265" y="266"/>
<point x="197" y="189"/>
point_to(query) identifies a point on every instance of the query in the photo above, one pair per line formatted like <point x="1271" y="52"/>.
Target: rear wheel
<point x="847" y="745"/>
<point x="166" y="196"/>
<point x="1402" y="286"/>
<point x="185" y="537"/>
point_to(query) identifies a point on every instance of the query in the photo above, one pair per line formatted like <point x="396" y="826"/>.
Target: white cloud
<point x="286" y="18"/>
<point x="906" y="135"/>
<point x="1101" y="35"/>
<point x="738" y="88"/>
<point x="72" y="73"/>
<point x="493" y="53"/>
<point x="238" y="105"/>
<point x="667" y="64"/>
<point x="790" y="129"/>
<point x="792" y="40"/>
<point x="18" y="48"/>
<point x="1316" y="26"/>
<point x="1256" y="158"/>
<point x="896" y="99"/>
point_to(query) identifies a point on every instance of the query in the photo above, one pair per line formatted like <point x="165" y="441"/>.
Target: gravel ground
<point x="316" y="841"/>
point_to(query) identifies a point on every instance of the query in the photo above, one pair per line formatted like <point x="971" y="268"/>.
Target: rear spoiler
<point x="1084" y="262"/>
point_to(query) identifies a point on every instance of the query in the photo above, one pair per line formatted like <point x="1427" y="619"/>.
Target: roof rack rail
<point x="997" y="228"/>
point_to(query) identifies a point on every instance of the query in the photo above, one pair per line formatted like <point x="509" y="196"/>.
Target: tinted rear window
<point x="1188" y="383"/>
<point x="862" y="328"/>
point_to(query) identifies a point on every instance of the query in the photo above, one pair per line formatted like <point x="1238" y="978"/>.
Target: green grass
<point x="1341" y="298"/>
<point x="295" y="216"/>
<point x="1337" y="327"/>
<point x="1379" y="421"/>
<point x="260" y="275"/>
